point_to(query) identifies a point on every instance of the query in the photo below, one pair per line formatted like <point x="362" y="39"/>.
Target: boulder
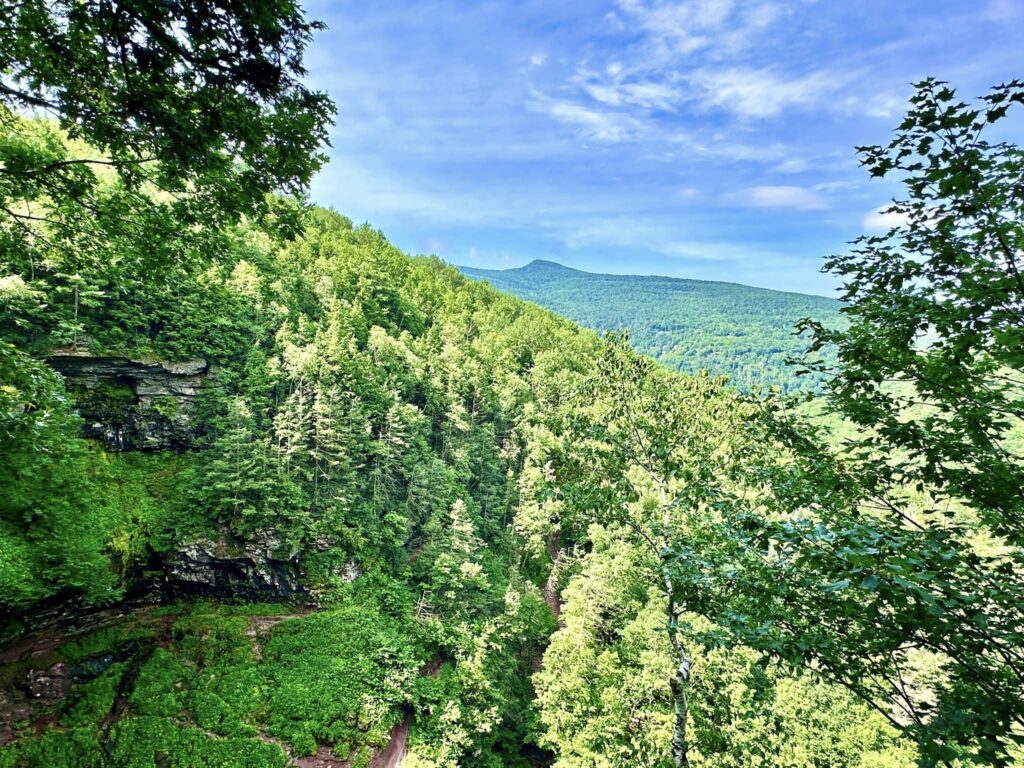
<point x="48" y="684"/>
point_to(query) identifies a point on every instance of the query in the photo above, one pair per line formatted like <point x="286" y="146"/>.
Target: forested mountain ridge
<point x="730" y="329"/>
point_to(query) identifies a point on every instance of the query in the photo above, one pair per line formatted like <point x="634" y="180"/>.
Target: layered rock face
<point x="141" y="405"/>
<point x="251" y="570"/>
<point x="134" y="404"/>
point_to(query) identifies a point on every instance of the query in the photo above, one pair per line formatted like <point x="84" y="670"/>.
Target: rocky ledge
<point x="258" y="569"/>
<point x="134" y="404"/>
<point x="242" y="570"/>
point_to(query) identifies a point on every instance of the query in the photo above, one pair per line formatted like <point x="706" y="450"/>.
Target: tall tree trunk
<point x="551" y="595"/>
<point x="680" y="745"/>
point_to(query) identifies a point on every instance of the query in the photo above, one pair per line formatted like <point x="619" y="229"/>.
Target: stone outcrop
<point x="248" y="570"/>
<point x="134" y="404"/>
<point x="48" y="684"/>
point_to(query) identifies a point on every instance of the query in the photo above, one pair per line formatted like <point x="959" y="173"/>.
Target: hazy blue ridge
<point x="743" y="332"/>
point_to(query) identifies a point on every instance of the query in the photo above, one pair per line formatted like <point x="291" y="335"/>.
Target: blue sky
<point x="695" y="138"/>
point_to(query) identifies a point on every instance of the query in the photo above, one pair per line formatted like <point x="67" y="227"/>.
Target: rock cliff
<point x="134" y="404"/>
<point x="151" y="406"/>
<point x="251" y="570"/>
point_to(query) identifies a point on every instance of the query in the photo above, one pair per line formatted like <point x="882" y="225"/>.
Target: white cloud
<point x="792" y="165"/>
<point x="649" y="95"/>
<point x="884" y="105"/>
<point x="660" y="237"/>
<point x="680" y="28"/>
<point x="719" y="147"/>
<point x="677" y="59"/>
<point x="840" y="185"/>
<point x="609" y="231"/>
<point x="759" y="93"/>
<point x="882" y="220"/>
<point x="683" y="27"/>
<point x="602" y="125"/>
<point x="538" y="59"/>
<point x="793" y="198"/>
<point x="706" y="251"/>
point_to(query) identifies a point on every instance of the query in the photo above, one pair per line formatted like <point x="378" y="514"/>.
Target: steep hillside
<point x="368" y="440"/>
<point x="743" y="332"/>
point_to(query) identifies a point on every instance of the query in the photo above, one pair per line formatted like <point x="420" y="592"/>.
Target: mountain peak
<point x="538" y="265"/>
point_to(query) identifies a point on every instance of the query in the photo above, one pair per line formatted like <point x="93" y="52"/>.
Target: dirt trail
<point x="33" y="645"/>
<point x="324" y="758"/>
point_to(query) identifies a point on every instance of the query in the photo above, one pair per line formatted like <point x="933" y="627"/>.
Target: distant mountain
<point x="727" y="328"/>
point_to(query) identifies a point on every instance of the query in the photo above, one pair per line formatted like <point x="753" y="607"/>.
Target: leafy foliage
<point x="605" y="698"/>
<point x="205" y="99"/>
<point x="892" y="562"/>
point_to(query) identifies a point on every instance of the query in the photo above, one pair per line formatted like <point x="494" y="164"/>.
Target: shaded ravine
<point x="552" y="591"/>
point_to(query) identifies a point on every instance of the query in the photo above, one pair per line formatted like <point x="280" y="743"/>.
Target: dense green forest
<point x="385" y="412"/>
<point x="733" y="330"/>
<point x="276" y="493"/>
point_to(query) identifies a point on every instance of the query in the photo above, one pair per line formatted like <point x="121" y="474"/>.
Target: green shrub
<point x="338" y="677"/>
<point x="149" y="742"/>
<point x="75" y="748"/>
<point x="160" y="687"/>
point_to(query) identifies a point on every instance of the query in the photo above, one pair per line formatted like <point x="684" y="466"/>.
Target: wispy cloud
<point x="661" y="238"/>
<point x="592" y="122"/>
<point x="632" y="134"/>
<point x="759" y="93"/>
<point x="788" y="197"/>
<point x="611" y="231"/>
<point x="719" y="147"/>
<point x="649" y="95"/>
<point x="677" y="28"/>
<point x="793" y="165"/>
<point x="703" y="250"/>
